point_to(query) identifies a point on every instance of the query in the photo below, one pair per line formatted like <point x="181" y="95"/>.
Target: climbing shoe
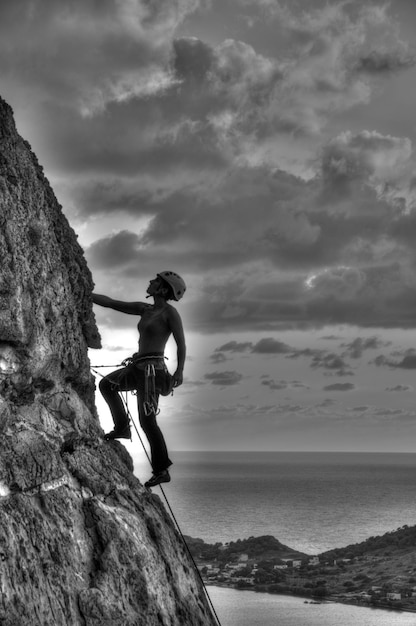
<point x="119" y="433"/>
<point x="160" y="477"/>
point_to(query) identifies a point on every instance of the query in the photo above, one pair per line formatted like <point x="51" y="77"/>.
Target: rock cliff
<point x="82" y="542"/>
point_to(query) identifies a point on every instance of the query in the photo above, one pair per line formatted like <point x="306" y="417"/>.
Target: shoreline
<point x="310" y="599"/>
<point x="377" y="573"/>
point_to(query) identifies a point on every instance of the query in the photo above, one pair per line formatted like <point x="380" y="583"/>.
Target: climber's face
<point x="154" y="285"/>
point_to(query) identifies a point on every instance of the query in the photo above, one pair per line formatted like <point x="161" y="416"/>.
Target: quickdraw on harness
<point x="150" y="398"/>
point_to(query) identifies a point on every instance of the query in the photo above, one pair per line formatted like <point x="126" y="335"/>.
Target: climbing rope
<point x="129" y="415"/>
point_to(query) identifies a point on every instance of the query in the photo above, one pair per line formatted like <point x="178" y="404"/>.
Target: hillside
<point x="380" y="571"/>
<point x="397" y="541"/>
<point x="259" y="548"/>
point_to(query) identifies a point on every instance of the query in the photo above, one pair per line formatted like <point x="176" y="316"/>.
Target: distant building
<point x="364" y="596"/>
<point x="393" y="595"/>
<point x="214" y="571"/>
<point x="243" y="558"/>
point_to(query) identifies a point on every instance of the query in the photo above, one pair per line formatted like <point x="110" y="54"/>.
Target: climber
<point x="146" y="371"/>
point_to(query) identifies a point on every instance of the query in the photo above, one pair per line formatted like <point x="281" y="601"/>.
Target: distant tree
<point x="362" y="577"/>
<point x="320" y="592"/>
<point x="266" y="565"/>
<point x="261" y="577"/>
<point x="244" y="571"/>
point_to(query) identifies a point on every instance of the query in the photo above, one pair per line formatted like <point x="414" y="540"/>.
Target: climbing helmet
<point x="175" y="281"/>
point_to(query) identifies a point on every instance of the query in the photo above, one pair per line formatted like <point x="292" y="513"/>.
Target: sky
<point x="264" y="150"/>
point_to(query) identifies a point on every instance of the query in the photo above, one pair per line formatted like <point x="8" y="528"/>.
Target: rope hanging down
<point x="129" y="415"/>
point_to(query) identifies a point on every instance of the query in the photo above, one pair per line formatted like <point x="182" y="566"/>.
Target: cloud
<point x="378" y="61"/>
<point x="381" y="162"/>
<point x="339" y="387"/>
<point x="325" y="403"/>
<point x="269" y="345"/>
<point x="341" y="46"/>
<point x="114" y="251"/>
<point x="283" y="384"/>
<point x="408" y="362"/>
<point x="192" y="59"/>
<point x="332" y="361"/>
<point x="275" y="385"/>
<point x="90" y="55"/>
<point x="400" y="388"/>
<point x="328" y="361"/>
<point x="224" y="378"/>
<point x="355" y="348"/>
<point x="218" y="357"/>
<point x="235" y="346"/>
<point x="193" y="383"/>
<point x="186" y="142"/>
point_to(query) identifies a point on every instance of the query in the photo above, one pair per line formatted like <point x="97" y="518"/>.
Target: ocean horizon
<point x="310" y="501"/>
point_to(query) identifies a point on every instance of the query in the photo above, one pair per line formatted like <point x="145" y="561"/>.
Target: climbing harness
<point x="129" y="361"/>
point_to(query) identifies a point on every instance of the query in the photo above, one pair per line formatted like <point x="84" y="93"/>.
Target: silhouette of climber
<point x="146" y="371"/>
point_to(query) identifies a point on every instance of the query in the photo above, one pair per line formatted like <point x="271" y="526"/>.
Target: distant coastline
<point x="379" y="572"/>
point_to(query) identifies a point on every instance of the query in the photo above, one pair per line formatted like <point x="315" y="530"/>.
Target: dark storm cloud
<point x="235" y="346"/>
<point x="355" y="348"/>
<point x="88" y="53"/>
<point x="224" y="378"/>
<point x="283" y="384"/>
<point x="145" y="124"/>
<point x="269" y="345"/>
<point x="275" y="385"/>
<point x="114" y="251"/>
<point x="308" y="352"/>
<point x="333" y="362"/>
<point x="192" y="59"/>
<point x="218" y="357"/>
<point x="339" y="387"/>
<point x="408" y="362"/>
<point x="378" y="61"/>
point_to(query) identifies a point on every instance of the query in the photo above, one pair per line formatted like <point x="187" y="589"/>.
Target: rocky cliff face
<point x="81" y="541"/>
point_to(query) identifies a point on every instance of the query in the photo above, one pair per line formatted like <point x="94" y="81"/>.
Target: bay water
<point x="311" y="502"/>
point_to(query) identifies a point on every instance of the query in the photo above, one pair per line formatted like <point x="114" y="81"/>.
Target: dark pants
<point x="132" y="378"/>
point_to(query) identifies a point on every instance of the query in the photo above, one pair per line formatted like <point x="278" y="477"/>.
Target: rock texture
<point x="81" y="541"/>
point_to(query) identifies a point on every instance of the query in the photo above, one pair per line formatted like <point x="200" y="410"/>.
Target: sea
<point x="311" y="502"/>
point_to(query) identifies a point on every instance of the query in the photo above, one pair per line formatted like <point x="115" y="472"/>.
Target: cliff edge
<point x="82" y="542"/>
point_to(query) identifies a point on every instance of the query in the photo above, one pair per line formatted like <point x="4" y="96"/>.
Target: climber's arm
<point x="176" y="327"/>
<point x="131" y="308"/>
